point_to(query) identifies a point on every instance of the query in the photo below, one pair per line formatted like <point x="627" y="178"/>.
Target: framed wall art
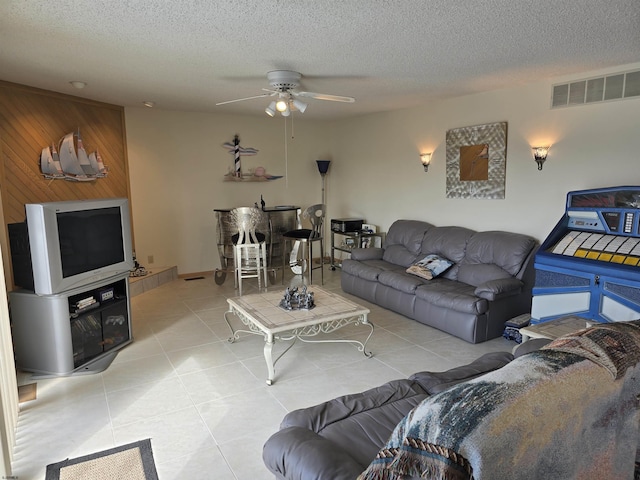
<point x="476" y="161"/>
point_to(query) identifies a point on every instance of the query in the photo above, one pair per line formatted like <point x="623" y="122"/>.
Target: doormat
<point x="127" y="462"/>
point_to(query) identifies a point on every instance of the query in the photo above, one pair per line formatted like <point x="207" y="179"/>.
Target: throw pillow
<point x="430" y="266"/>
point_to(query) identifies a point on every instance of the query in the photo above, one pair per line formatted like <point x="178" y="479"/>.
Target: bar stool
<point x="249" y="246"/>
<point x="315" y="215"/>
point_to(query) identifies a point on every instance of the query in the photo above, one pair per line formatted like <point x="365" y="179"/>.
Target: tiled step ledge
<point x="156" y="277"/>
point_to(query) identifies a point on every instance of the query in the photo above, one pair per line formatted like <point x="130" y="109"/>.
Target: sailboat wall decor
<point x="72" y="162"/>
<point x="50" y="163"/>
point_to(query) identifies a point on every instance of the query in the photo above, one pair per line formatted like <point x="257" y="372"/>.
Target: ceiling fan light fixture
<point x="284" y="84"/>
<point x="281" y="105"/>
<point x="301" y="106"/>
<point x="271" y="109"/>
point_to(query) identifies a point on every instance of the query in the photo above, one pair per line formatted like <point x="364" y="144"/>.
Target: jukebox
<point x="589" y="265"/>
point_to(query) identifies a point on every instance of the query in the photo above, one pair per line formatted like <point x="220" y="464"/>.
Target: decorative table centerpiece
<point x="297" y="300"/>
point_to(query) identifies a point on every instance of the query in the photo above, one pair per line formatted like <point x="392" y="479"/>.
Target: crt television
<point x="63" y="245"/>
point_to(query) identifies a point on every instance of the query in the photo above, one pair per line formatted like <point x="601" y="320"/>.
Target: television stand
<point x="90" y="368"/>
<point x="76" y="332"/>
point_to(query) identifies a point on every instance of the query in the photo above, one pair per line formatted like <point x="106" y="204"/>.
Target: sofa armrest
<point x="436" y="382"/>
<point x="373" y="253"/>
<point x="297" y="453"/>
<point x="500" y="288"/>
<point x="318" y="417"/>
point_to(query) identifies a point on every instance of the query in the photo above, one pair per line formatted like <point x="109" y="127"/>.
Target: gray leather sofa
<point x="489" y="283"/>
<point x="336" y="440"/>
<point x="555" y="413"/>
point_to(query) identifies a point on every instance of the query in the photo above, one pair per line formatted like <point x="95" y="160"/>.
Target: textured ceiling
<point x="190" y="54"/>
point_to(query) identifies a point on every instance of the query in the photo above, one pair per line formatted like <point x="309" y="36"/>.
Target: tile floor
<point x="203" y="401"/>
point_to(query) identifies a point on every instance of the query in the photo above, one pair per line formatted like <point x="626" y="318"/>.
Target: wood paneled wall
<point x="31" y="119"/>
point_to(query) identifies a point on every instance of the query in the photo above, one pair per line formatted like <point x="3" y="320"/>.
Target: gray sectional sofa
<point x="489" y="282"/>
<point x="549" y="411"/>
<point x="336" y="440"/>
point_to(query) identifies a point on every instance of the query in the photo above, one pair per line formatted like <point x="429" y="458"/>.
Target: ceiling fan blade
<point x="325" y="96"/>
<point x="246" y="98"/>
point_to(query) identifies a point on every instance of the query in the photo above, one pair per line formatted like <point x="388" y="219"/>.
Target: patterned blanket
<point x="614" y="346"/>
<point x="555" y="413"/>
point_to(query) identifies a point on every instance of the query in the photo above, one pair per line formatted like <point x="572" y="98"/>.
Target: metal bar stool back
<point x="249" y="245"/>
<point x="315" y="215"/>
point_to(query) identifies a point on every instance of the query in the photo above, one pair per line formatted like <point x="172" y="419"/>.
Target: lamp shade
<point x="323" y="166"/>
<point x="301" y="106"/>
<point x="271" y="109"/>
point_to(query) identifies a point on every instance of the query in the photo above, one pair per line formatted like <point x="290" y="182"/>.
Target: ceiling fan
<point x="284" y="84"/>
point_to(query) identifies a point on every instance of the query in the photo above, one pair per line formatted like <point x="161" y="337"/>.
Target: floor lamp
<point x="323" y="168"/>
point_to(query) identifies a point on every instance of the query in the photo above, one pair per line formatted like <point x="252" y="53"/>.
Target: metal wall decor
<point x="476" y="161"/>
<point x="73" y="163"/>
<point x="258" y="174"/>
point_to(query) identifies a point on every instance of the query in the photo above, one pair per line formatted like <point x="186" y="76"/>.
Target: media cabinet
<point x="75" y="332"/>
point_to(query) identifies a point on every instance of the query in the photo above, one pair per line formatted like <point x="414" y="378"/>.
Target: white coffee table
<point x="262" y="314"/>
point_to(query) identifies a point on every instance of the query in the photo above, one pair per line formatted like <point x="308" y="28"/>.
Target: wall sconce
<point x="540" y="155"/>
<point x="425" y="158"/>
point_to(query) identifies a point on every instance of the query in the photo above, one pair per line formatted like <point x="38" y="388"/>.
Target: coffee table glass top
<point x="265" y="309"/>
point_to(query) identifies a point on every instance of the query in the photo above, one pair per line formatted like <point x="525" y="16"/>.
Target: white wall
<point x="177" y="164"/>
<point x="595" y="145"/>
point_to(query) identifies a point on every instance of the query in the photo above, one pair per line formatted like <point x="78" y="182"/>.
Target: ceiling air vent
<point x="616" y="86"/>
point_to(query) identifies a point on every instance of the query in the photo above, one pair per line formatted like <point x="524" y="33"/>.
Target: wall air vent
<point x="617" y="86"/>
